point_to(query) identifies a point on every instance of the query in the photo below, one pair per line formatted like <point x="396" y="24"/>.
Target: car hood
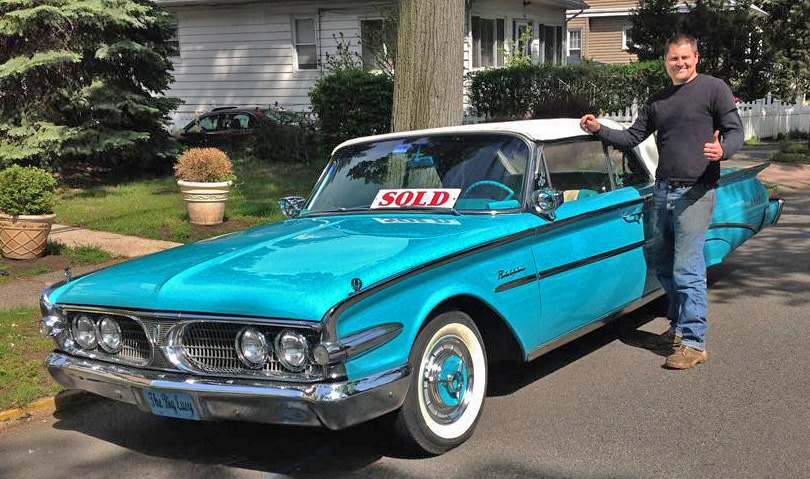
<point x="294" y="269"/>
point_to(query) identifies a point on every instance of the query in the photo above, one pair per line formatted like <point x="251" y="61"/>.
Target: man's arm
<point x="624" y="139"/>
<point x="727" y="121"/>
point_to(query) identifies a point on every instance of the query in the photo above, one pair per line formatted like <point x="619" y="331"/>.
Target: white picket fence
<point x="763" y="118"/>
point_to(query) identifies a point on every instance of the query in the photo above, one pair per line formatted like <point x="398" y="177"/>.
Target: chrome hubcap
<point x="447" y="380"/>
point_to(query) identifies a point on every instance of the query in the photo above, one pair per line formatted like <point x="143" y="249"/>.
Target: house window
<point x="522" y="33"/>
<point x="552" y="38"/>
<point x="488" y="41"/>
<point x="378" y="41"/>
<point x="626" y="40"/>
<point x="306" y="54"/>
<point x="174" y="39"/>
<point x="575" y="45"/>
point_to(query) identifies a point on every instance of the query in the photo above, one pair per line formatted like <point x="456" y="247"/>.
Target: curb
<point x="61" y="401"/>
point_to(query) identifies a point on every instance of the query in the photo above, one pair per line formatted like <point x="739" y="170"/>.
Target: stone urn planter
<point x="205" y="201"/>
<point x="24" y="236"/>
<point x="27" y="196"/>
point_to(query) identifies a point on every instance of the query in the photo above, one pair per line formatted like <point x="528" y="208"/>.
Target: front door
<point x="590" y="258"/>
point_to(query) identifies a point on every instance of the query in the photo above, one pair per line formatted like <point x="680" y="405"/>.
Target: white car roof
<point x="537" y="130"/>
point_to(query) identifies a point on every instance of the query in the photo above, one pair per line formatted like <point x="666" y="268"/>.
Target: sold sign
<point x="423" y="198"/>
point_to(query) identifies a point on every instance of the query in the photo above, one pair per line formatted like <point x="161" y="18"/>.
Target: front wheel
<point x="448" y="384"/>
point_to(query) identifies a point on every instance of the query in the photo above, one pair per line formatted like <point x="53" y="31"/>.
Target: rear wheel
<point x="448" y="384"/>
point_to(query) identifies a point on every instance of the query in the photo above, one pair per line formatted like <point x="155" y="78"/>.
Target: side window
<point x="627" y="169"/>
<point x="579" y="168"/>
<point x="239" y="121"/>
<point x="209" y="123"/>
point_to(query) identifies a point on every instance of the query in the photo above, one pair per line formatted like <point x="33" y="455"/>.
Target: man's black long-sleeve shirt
<point x="686" y="117"/>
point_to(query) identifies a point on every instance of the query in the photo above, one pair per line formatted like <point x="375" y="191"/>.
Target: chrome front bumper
<point x="334" y="405"/>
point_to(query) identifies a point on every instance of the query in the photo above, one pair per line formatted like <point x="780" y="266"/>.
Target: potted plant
<point x="205" y="176"/>
<point x="26" y="211"/>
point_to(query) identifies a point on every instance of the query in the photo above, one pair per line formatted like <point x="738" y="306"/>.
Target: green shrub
<point x="544" y="91"/>
<point x="352" y="102"/>
<point x="204" y="165"/>
<point x="26" y="191"/>
<point x="293" y="137"/>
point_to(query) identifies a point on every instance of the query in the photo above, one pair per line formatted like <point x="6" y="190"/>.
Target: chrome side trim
<point x="744" y="172"/>
<point x="331" y="317"/>
<point x="578" y="333"/>
<point x="733" y="225"/>
<point x="778" y="210"/>
<point x="335" y="405"/>
<point x="360" y="342"/>
<point x="569" y="266"/>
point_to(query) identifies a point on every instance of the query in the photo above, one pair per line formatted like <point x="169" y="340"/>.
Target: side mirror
<point x="291" y="206"/>
<point x="547" y="200"/>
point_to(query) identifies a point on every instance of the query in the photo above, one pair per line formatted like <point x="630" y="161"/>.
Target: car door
<point x="590" y="258"/>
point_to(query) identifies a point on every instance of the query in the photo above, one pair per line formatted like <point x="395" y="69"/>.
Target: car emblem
<point x="357" y="285"/>
<point x="505" y="274"/>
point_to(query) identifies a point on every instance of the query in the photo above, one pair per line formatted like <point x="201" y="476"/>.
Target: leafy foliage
<point x="81" y="83"/>
<point x="26" y="191"/>
<point x="352" y="102"/>
<point x="204" y="165"/>
<point x="547" y="91"/>
<point x="293" y="137"/>
<point x="730" y="39"/>
<point x="788" y="46"/>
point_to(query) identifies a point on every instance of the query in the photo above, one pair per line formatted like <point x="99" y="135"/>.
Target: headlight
<point x="292" y="350"/>
<point x="84" y="332"/>
<point x="109" y="335"/>
<point x="252" y="348"/>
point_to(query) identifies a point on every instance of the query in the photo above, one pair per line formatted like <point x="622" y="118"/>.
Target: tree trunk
<point x="428" y="77"/>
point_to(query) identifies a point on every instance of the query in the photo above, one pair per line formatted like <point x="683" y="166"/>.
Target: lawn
<point x="23" y="349"/>
<point x="153" y="208"/>
<point x="56" y="258"/>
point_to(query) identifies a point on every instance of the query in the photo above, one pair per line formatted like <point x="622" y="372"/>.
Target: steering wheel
<point x="481" y="183"/>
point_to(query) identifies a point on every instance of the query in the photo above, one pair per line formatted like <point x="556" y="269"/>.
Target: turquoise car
<point x="419" y="259"/>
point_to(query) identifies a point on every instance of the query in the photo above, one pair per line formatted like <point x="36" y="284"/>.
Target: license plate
<point x="171" y="404"/>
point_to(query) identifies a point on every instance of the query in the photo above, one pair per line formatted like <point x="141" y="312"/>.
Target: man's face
<point x="681" y="62"/>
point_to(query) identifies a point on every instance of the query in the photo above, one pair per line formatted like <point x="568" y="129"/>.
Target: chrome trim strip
<point x="778" y="210"/>
<point x="331" y="317"/>
<point x="578" y="333"/>
<point x="186" y="316"/>
<point x="335" y="405"/>
<point x="569" y="266"/>
<point x="734" y="225"/>
<point x="361" y="342"/>
<point x="744" y="172"/>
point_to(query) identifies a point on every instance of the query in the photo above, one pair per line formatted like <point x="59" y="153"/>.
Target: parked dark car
<point x="230" y="125"/>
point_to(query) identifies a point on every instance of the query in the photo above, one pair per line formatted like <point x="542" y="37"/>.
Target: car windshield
<point x="472" y="172"/>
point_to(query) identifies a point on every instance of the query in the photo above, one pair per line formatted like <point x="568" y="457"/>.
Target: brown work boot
<point x="685" y="358"/>
<point x="667" y="341"/>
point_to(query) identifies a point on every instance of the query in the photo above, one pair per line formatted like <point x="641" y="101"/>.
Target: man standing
<point x="690" y="118"/>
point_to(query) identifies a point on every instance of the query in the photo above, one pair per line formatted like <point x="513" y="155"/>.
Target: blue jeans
<point x="680" y="218"/>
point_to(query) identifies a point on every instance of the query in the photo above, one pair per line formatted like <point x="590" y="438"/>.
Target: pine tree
<point x="653" y="22"/>
<point x="81" y="83"/>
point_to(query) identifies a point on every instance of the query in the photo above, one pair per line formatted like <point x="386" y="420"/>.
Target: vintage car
<point x="418" y="260"/>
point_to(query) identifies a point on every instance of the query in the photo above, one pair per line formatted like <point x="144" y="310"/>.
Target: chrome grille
<point x="135" y="343"/>
<point x="211" y="347"/>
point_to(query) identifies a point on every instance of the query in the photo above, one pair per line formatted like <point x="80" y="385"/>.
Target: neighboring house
<point x="601" y="33"/>
<point x="245" y="53"/>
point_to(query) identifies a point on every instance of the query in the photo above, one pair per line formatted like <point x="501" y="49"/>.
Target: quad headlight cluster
<point x="104" y="332"/>
<point x="255" y="350"/>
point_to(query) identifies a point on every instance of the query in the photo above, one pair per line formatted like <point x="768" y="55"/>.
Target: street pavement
<point x="600" y="407"/>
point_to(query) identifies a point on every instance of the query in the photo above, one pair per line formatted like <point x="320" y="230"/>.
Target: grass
<point x="79" y="254"/>
<point x="153" y="208"/>
<point x="22" y="349"/>
<point x="793" y="152"/>
<point x="753" y="141"/>
<point x="46" y="264"/>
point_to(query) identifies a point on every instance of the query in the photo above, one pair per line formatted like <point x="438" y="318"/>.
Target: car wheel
<point x="448" y="384"/>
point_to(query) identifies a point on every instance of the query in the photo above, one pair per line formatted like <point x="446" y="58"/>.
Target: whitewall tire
<point x="448" y="384"/>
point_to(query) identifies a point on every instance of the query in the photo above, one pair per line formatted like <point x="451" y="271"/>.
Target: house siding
<point x="605" y="40"/>
<point x="243" y="54"/>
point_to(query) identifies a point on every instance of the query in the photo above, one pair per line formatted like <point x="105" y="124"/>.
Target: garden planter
<point x="205" y="202"/>
<point x="24" y="236"/>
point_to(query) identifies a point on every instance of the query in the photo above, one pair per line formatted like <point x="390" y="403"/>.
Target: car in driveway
<point x="418" y="260"/>
<point x="230" y="125"/>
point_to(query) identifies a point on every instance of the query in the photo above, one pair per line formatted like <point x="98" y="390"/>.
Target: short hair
<point x="680" y="39"/>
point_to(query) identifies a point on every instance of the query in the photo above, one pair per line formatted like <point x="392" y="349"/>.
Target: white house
<point x="260" y="52"/>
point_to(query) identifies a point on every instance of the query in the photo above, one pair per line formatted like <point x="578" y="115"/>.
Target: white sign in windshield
<point x="418" y="198"/>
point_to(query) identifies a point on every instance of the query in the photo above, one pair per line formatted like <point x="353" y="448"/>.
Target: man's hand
<point x="713" y="151"/>
<point x="588" y="123"/>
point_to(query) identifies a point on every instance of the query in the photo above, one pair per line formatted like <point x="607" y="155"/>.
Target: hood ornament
<point x="69" y="274"/>
<point x="357" y="285"/>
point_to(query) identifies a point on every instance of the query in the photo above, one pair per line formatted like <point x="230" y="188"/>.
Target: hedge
<point x="547" y="91"/>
